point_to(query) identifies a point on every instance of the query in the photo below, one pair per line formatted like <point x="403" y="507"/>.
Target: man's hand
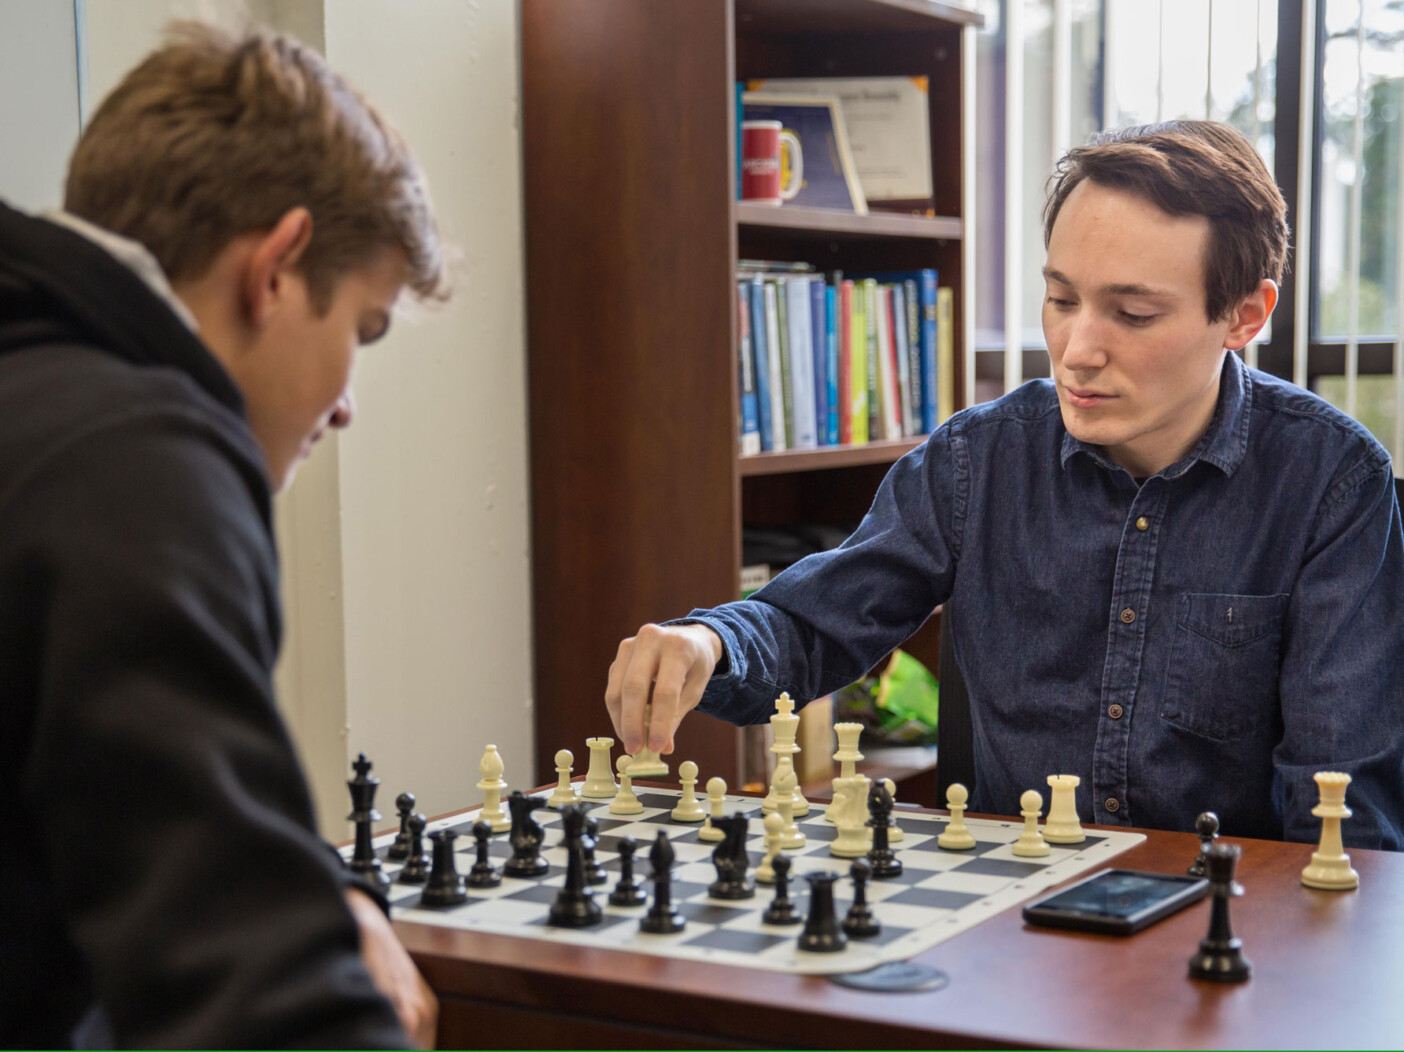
<point x="674" y="663"/>
<point x="392" y="971"/>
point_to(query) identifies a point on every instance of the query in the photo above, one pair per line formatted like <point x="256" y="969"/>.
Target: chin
<point x="1093" y="432"/>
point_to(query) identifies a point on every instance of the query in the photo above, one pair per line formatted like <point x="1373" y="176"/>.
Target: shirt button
<point x="1115" y="712"/>
<point x="1111" y="804"/>
<point x="1127" y="616"/>
<point x="1143" y="524"/>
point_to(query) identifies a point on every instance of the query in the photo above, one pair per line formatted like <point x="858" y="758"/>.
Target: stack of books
<point x="840" y="360"/>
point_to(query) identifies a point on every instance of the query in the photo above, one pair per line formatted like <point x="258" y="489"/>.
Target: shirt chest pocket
<point x="1221" y="681"/>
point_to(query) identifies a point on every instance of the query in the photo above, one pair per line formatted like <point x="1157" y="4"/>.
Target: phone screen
<point x="1118" y="893"/>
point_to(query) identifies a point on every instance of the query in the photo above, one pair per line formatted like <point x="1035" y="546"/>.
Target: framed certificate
<point x="830" y="180"/>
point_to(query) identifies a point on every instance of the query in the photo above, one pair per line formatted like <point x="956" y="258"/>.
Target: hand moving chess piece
<point x="525" y="838"/>
<point x="363" y="858"/>
<point x="625" y="802"/>
<point x="1220" y="957"/>
<point x="646" y="762"/>
<point x="1030" y="843"/>
<point x="1063" y="826"/>
<point x="399" y="850"/>
<point x="1330" y="868"/>
<point x="716" y="797"/>
<point x="564" y="794"/>
<point x="957" y="836"/>
<point x="599" y="782"/>
<point x="663" y="917"/>
<point x="1207" y="828"/>
<point x="490" y="781"/>
<point x="688" y="808"/>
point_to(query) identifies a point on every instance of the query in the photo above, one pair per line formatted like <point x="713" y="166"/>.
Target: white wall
<point x="38" y="100"/>
<point x="405" y="540"/>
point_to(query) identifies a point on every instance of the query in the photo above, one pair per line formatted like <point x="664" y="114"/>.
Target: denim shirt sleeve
<point x="1342" y="677"/>
<point x="824" y="622"/>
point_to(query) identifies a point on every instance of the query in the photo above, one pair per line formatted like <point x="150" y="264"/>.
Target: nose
<point x="1084" y="349"/>
<point x="344" y="411"/>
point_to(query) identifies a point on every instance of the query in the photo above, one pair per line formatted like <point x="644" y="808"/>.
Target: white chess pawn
<point x="791" y="839"/>
<point x="625" y="802"/>
<point x="847" y="758"/>
<point x="1063" y="826"/>
<point x="894" y="831"/>
<point x="599" y="782"/>
<point x="1330" y="867"/>
<point x="716" y="796"/>
<point x="765" y="873"/>
<point x="957" y="836"/>
<point x="647" y="763"/>
<point x="564" y="793"/>
<point x="688" y="809"/>
<point x="1030" y="843"/>
<point x="490" y="781"/>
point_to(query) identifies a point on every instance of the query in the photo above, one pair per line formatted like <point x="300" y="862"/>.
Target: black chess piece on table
<point x="445" y="887"/>
<point x="781" y="909"/>
<point x="575" y="905"/>
<point x="885" y="862"/>
<point x="595" y="873"/>
<point x="1207" y="826"/>
<point x="629" y="891"/>
<point x="663" y="917"/>
<point x="400" y="849"/>
<point x="416" y="867"/>
<point x="364" y="862"/>
<point x="731" y="860"/>
<point x="822" y="933"/>
<point x="483" y="874"/>
<point x="860" y="923"/>
<point x="1220" y="957"/>
<point x="526" y="837"/>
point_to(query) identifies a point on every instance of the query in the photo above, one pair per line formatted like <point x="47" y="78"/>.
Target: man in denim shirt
<point x="1176" y="577"/>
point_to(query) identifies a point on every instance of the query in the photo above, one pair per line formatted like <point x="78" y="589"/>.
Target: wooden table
<point x="1328" y="972"/>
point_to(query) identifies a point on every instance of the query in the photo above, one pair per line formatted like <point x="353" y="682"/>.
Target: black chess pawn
<point x="781" y="909"/>
<point x="400" y="849"/>
<point x="363" y="858"/>
<point x="822" y="932"/>
<point x="483" y="874"/>
<point x="525" y="838"/>
<point x="416" y="867"/>
<point x="1207" y="826"/>
<point x="1220" y="957"/>
<point x="575" y="905"/>
<point x="595" y="872"/>
<point x="663" y="917"/>
<point x="885" y="862"/>
<point x="445" y="887"/>
<point x="731" y="860"/>
<point x="859" y="923"/>
<point x="629" y="891"/>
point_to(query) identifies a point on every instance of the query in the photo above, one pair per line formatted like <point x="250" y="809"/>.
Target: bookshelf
<point x="632" y="237"/>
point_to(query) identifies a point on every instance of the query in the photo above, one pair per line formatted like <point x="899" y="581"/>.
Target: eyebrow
<point x="1133" y="289"/>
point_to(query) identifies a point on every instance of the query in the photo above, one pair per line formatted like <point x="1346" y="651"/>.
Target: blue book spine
<point x="762" y="364"/>
<point x="831" y="372"/>
<point x="818" y="328"/>
<point x="928" y="350"/>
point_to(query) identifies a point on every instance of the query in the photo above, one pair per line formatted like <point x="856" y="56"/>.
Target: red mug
<point x="772" y="164"/>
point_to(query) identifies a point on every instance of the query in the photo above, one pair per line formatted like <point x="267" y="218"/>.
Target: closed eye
<point x="1061" y="304"/>
<point x="1136" y="319"/>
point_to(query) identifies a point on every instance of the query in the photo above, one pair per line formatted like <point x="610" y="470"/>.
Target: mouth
<point x="1086" y="399"/>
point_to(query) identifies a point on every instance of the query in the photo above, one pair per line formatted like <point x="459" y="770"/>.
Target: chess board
<point x="939" y="894"/>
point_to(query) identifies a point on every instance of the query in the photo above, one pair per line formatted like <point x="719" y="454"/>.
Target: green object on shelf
<point x="900" y="705"/>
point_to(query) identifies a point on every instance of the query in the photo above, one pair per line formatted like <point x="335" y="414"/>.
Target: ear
<point x="1251" y="315"/>
<point x="269" y="266"/>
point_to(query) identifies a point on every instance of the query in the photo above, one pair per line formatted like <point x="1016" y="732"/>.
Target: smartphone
<point x="1116" y="901"/>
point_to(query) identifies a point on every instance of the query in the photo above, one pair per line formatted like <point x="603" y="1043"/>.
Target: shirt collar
<point x="1223" y="444"/>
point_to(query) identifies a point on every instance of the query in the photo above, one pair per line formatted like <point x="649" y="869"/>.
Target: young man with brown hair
<point x="237" y="221"/>
<point x="1174" y="576"/>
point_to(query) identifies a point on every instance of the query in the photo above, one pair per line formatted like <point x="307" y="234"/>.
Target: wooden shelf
<point x="826" y="223"/>
<point x="795" y="460"/>
<point x="792" y="17"/>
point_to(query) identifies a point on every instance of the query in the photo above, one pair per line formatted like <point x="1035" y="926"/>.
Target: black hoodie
<point x="161" y="882"/>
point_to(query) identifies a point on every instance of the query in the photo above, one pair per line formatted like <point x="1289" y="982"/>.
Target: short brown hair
<point x="215" y="135"/>
<point x="1191" y="168"/>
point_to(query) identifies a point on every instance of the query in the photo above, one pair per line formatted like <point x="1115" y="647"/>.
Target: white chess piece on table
<point x="847" y="758"/>
<point x="599" y="782"/>
<point x="1030" y="843"/>
<point x="564" y="793"/>
<point x="851" y="816"/>
<point x="1063" y="826"/>
<point x="791" y="839"/>
<point x="490" y="781"/>
<point x="786" y="725"/>
<point x="957" y="836"/>
<point x="765" y="873"/>
<point x="646" y="762"/>
<point x="625" y="802"/>
<point x="716" y="796"/>
<point x="1330" y="868"/>
<point x="688" y="809"/>
<point x="894" y="831"/>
